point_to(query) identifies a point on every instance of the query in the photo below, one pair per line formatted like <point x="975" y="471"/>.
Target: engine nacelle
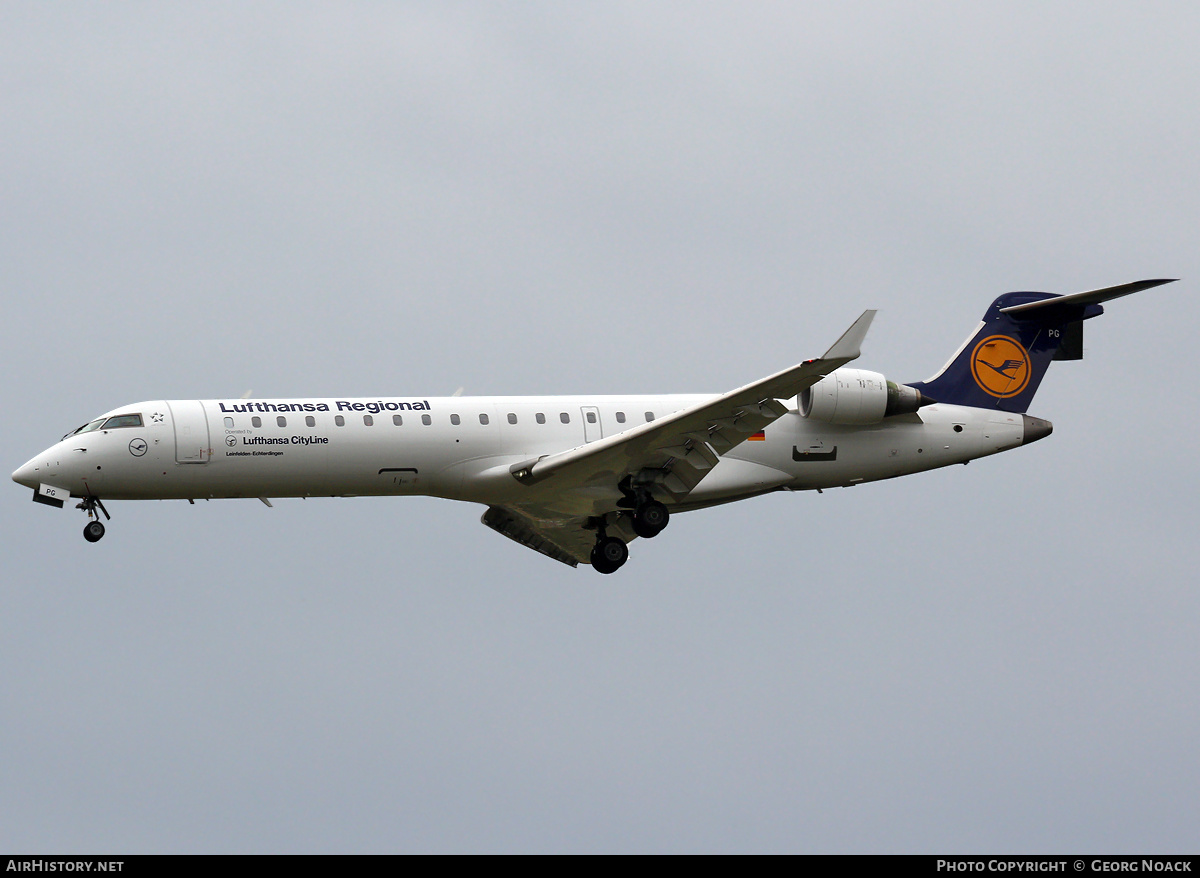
<point x="856" y="396"/>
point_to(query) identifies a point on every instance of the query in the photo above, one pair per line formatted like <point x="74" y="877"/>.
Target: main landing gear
<point x="94" y="529"/>
<point x="609" y="554"/>
<point x="647" y="518"/>
<point x="650" y="518"/>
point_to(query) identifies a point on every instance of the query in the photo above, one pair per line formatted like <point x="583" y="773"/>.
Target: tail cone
<point x="1035" y="429"/>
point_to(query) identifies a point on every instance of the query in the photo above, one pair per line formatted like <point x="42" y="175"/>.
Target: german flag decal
<point x="757" y="437"/>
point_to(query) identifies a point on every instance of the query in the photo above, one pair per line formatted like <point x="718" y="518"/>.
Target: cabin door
<point x="192" y="443"/>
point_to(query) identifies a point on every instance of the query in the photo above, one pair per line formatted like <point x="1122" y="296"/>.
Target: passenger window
<point x="455" y="420"/>
<point x="123" y="421"/>
<point x="229" y="422"/>
<point x="338" y="419"/>
<point x="426" y="420"/>
<point x="483" y="419"/>
<point x="591" y="416"/>
<point x="540" y="417"/>
<point x="620" y="417"/>
<point x="310" y="420"/>
<point x="565" y="418"/>
<point x="368" y="420"/>
<point x="512" y="419"/>
<point x="281" y="421"/>
<point x="397" y="420"/>
<point x="649" y="416"/>
<point x="256" y="421"/>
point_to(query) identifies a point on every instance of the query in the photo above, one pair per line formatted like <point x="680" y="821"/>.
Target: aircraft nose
<point x="25" y="476"/>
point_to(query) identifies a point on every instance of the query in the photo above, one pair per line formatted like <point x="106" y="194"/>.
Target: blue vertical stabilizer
<point x="1001" y="365"/>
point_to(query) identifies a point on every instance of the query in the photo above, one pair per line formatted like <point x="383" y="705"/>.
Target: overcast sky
<point x="197" y="200"/>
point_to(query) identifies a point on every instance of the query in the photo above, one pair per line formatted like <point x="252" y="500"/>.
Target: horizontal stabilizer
<point x="1045" y="307"/>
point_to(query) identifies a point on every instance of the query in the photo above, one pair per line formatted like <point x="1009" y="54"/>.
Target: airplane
<point x="578" y="478"/>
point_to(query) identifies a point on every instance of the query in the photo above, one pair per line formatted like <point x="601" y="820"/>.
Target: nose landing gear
<point x="94" y="529"/>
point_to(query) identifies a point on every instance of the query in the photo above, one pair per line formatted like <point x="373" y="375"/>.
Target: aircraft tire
<point x="609" y="554"/>
<point x="93" y="531"/>
<point x="650" y="519"/>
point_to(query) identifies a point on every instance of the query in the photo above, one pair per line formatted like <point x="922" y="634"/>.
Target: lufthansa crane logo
<point x="138" y="447"/>
<point x="1000" y="366"/>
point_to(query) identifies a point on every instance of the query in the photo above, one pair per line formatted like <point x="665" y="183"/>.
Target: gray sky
<point x="360" y="199"/>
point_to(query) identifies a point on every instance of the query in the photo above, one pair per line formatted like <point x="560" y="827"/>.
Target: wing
<point x="677" y="451"/>
<point x="674" y="453"/>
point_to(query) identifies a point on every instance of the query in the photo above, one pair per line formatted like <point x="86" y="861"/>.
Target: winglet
<point x="848" y="347"/>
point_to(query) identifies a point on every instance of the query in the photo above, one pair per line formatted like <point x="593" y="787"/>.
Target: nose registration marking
<point x="51" y="495"/>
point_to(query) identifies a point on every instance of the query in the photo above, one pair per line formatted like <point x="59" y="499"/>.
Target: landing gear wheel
<point x="92" y="531"/>
<point x="650" y="519"/>
<point x="609" y="554"/>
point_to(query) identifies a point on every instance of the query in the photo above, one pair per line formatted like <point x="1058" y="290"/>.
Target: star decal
<point x="157" y="417"/>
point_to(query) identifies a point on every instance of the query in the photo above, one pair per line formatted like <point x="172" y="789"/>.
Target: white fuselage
<point x="463" y="448"/>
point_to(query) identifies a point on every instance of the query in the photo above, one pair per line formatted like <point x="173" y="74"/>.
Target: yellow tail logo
<point x="1000" y="366"/>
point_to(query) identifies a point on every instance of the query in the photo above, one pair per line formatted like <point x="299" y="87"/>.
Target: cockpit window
<point x="87" y="428"/>
<point x="122" y="421"/>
